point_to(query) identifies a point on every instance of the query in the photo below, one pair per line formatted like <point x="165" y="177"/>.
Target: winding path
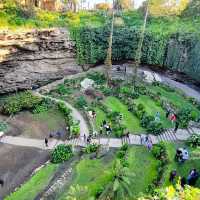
<point x="167" y="135"/>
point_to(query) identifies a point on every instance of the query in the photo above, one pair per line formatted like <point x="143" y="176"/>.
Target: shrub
<point x="3" y="126"/>
<point x="155" y="128"/>
<point x="184" y="117"/>
<point x="61" y="89"/>
<point x="63" y="108"/>
<point x="61" y="153"/>
<point x="159" y="150"/>
<point x="81" y="102"/>
<point x="21" y="101"/>
<point x="91" y="148"/>
<point x="75" y="129"/>
<point x="99" y="78"/>
<point x="146" y="120"/>
<point x="194" y="140"/>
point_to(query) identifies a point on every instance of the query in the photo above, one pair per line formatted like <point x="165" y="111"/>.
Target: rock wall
<point x="31" y="59"/>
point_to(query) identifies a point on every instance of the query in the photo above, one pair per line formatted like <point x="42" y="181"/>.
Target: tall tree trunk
<point x="140" y="44"/>
<point x="109" y="52"/>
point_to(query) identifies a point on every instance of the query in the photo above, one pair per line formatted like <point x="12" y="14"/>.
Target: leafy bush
<point x="21" y="101"/>
<point x="61" y="89"/>
<point x="146" y="120"/>
<point x="91" y="148"/>
<point x="155" y="128"/>
<point x="99" y="78"/>
<point x="184" y="117"/>
<point x="81" y="102"/>
<point x="63" y="108"/>
<point x="75" y="129"/>
<point x="61" y="153"/>
<point x="194" y="140"/>
<point x="159" y="151"/>
<point x="3" y="126"/>
<point x="43" y="107"/>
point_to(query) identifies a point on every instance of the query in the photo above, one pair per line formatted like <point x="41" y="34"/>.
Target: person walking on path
<point x="84" y="138"/>
<point x="176" y="126"/>
<point x="46" y="141"/>
<point x="1" y="182"/>
<point x="173" y="118"/>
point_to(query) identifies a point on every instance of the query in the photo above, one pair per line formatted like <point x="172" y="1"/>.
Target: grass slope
<point x="100" y="116"/>
<point x="129" y="120"/>
<point x="35" y="185"/>
<point x="182" y="169"/>
<point x="92" y="173"/>
<point x="144" y="165"/>
<point x="151" y="108"/>
<point x="175" y="98"/>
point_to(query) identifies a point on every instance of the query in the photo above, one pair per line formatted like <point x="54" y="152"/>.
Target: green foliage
<point x="184" y="117"/>
<point x="155" y="128"/>
<point x="61" y="153"/>
<point x="21" y="101"/>
<point x="61" y="89"/>
<point x="78" y="192"/>
<point x="3" y="126"/>
<point x="81" y="102"/>
<point x="75" y="129"/>
<point x="63" y="108"/>
<point x="91" y="148"/>
<point x="194" y="140"/>
<point x="99" y="78"/>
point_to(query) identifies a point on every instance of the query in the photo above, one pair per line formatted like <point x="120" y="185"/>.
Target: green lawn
<point x="129" y="120"/>
<point x="144" y="165"/>
<point x="92" y="173"/>
<point x="35" y="185"/>
<point x="100" y="116"/>
<point x="151" y="108"/>
<point x="182" y="169"/>
<point x="53" y="118"/>
<point x="175" y="98"/>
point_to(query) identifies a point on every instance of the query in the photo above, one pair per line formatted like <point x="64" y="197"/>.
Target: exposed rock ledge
<point x="32" y="59"/>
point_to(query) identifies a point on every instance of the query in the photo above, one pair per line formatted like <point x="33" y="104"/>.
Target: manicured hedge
<point x="179" y="51"/>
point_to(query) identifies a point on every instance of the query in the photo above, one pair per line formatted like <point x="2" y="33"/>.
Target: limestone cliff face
<point x="32" y="59"/>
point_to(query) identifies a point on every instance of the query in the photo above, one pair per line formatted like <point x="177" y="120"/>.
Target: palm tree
<point x="78" y="193"/>
<point x="119" y="186"/>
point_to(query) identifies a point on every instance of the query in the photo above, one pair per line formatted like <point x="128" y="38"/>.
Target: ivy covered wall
<point x="178" y="51"/>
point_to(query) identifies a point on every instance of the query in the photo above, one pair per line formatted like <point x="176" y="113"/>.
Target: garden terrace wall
<point x="176" y="51"/>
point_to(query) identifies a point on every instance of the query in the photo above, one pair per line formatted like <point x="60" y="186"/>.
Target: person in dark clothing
<point x="1" y="182"/>
<point x="128" y="136"/>
<point x="104" y="123"/>
<point x="172" y="176"/>
<point x="176" y="126"/>
<point x="183" y="182"/>
<point x="46" y="142"/>
<point x="167" y="113"/>
<point x="193" y="177"/>
<point x="84" y="138"/>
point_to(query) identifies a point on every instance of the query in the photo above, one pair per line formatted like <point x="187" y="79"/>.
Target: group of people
<point x="182" y="155"/>
<point x="147" y="141"/>
<point x="191" y="179"/>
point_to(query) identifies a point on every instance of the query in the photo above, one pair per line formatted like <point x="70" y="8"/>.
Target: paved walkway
<point x="168" y="135"/>
<point x="75" y="113"/>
